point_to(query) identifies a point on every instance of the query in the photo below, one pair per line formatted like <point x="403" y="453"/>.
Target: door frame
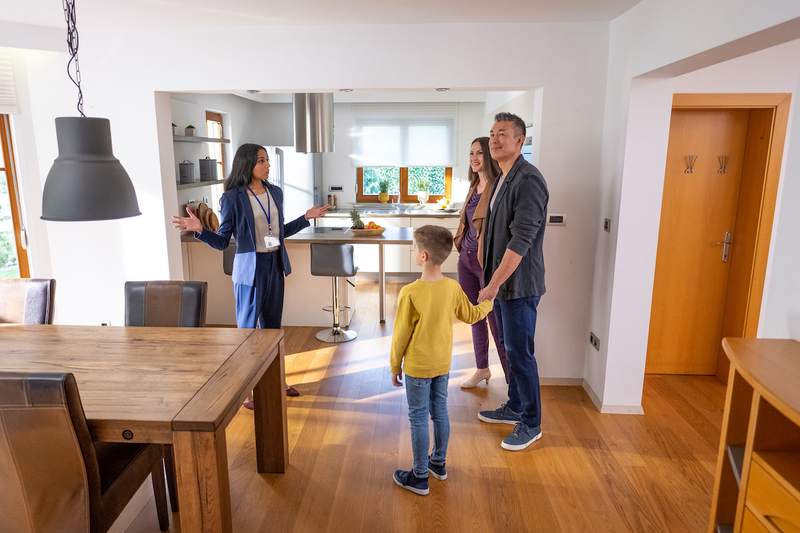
<point x="13" y="192"/>
<point x="779" y="103"/>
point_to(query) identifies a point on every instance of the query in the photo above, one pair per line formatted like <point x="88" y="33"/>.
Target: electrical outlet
<point x="594" y="341"/>
<point x="607" y="224"/>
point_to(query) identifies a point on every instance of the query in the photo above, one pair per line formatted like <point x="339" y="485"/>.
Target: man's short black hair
<point x="519" y="124"/>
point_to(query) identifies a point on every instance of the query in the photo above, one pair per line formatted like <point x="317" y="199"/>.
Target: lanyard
<point x="268" y="210"/>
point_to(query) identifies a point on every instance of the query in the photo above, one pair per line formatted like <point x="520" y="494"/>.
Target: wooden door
<point x="701" y="192"/>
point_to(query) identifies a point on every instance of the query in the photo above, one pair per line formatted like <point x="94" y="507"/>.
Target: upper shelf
<point x="199" y="184"/>
<point x="193" y="139"/>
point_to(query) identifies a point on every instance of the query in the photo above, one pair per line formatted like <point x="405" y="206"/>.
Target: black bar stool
<point x="334" y="260"/>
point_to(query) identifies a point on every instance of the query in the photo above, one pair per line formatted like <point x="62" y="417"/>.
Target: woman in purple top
<point x="483" y="171"/>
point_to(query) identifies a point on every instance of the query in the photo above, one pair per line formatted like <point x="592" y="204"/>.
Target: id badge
<point x="270" y="241"/>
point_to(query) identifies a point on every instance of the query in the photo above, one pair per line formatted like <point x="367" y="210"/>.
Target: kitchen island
<point x="327" y="235"/>
<point x="304" y="294"/>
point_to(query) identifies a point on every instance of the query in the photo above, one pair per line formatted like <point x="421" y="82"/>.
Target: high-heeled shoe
<point x="480" y="374"/>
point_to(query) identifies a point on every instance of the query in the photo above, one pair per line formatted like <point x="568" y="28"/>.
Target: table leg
<point x="272" y="438"/>
<point x="203" y="486"/>
<point x="382" y="283"/>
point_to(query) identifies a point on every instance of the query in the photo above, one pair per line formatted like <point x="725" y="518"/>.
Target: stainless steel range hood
<point x="313" y="122"/>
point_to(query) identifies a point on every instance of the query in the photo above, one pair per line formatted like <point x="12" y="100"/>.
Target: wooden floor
<point x="349" y="431"/>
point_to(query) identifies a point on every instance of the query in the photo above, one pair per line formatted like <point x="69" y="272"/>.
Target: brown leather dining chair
<point x="55" y="478"/>
<point x="166" y="304"/>
<point x="27" y="301"/>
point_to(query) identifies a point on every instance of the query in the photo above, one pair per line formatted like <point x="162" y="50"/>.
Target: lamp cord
<point x="73" y="67"/>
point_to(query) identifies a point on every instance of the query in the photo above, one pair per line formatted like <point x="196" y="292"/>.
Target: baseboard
<point x="560" y="382"/>
<point x="609" y="409"/>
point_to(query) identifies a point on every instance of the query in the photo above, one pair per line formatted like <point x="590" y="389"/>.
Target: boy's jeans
<point x="428" y="395"/>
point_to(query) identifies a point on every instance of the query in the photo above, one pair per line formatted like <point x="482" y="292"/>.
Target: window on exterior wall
<point x="216" y="151"/>
<point x="412" y="155"/>
<point x="13" y="257"/>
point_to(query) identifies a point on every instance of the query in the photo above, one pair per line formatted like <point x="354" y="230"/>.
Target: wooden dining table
<point x="178" y="386"/>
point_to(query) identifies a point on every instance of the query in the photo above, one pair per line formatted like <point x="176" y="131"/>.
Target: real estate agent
<point x="252" y="211"/>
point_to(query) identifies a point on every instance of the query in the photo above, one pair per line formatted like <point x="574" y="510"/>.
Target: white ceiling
<point x="266" y="12"/>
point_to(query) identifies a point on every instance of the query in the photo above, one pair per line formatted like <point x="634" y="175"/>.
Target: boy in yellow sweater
<point x="422" y="343"/>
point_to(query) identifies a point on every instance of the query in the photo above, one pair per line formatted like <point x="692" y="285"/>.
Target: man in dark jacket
<point x="514" y="273"/>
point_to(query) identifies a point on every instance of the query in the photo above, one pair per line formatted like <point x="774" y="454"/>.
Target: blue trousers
<point x="261" y="304"/>
<point x="517" y="319"/>
<point x="428" y="396"/>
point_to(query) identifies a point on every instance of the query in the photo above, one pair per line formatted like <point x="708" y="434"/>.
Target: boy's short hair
<point x="435" y="240"/>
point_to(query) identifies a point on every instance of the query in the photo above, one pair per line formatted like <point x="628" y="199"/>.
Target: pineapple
<point x="355" y="216"/>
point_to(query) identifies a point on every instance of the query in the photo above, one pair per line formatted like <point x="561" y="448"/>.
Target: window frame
<point x="405" y="195"/>
<point x="11" y="179"/>
<point x="213" y="116"/>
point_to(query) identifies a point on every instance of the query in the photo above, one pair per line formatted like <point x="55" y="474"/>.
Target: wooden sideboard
<point x="757" y="484"/>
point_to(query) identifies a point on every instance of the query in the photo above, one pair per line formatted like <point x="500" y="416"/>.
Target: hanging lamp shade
<point x="86" y="181"/>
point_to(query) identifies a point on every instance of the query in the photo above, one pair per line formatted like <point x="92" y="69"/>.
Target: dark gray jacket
<point x="517" y="222"/>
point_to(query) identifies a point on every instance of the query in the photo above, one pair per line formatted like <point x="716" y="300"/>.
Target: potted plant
<point x="174" y="128"/>
<point x="383" y="186"/>
<point x="422" y="190"/>
<point x="189" y="131"/>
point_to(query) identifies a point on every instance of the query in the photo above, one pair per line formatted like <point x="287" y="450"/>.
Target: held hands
<point x="397" y="379"/>
<point x="488" y="293"/>
<point x="190" y="223"/>
<point x="316" y="212"/>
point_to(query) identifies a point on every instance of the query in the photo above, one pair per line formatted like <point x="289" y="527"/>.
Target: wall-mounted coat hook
<point x="723" y="164"/>
<point x="690" y="160"/>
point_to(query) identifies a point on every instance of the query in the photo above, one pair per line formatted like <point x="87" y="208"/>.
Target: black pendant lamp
<point x="86" y="181"/>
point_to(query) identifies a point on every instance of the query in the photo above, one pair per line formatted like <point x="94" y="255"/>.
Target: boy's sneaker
<point x="501" y="415"/>
<point x="437" y="471"/>
<point x="521" y="437"/>
<point x="407" y="480"/>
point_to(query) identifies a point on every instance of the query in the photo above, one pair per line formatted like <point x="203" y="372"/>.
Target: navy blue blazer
<point x="237" y="220"/>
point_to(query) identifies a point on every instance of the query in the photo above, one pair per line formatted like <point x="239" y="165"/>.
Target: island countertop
<point x="403" y="235"/>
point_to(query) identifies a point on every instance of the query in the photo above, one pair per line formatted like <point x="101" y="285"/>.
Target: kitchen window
<point x="216" y="150"/>
<point x="404" y="182"/>
<point x="412" y="154"/>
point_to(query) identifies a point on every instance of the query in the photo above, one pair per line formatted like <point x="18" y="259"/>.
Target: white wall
<point x="635" y="143"/>
<point x="172" y="59"/>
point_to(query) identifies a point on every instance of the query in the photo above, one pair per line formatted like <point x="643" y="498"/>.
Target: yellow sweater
<point x="423" y="327"/>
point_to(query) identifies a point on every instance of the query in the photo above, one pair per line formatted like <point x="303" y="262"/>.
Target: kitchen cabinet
<point x="451" y="263"/>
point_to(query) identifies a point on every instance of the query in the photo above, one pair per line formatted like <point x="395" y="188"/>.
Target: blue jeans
<point x="428" y="395"/>
<point x="517" y="319"/>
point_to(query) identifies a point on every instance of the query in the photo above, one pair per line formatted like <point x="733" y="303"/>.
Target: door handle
<point x="726" y="243"/>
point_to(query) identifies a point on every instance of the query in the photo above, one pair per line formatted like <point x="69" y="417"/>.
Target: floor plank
<point x="349" y="431"/>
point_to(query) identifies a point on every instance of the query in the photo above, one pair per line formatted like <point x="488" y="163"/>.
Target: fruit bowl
<point x="368" y="232"/>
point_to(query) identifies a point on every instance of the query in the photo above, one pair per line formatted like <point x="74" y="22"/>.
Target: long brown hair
<point x="490" y="166"/>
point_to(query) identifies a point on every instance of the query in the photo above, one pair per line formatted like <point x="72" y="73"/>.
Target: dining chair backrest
<point x="27" y="301"/>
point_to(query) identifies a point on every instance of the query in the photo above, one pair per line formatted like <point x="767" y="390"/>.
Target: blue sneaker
<point x="437" y="471"/>
<point x="521" y="437"/>
<point x="501" y="415"/>
<point x="407" y="480"/>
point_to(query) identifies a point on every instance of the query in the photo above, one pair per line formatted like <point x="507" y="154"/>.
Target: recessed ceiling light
<point x="442" y="89"/>
<point x="346" y="90"/>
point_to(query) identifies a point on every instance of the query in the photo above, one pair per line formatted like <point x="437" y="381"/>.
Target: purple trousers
<point x="470" y="276"/>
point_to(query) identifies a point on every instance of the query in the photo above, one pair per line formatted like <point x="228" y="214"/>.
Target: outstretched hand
<point x="316" y="212"/>
<point x="190" y="223"/>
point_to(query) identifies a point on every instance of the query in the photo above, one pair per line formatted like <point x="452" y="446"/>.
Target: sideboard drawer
<point x="769" y="499"/>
